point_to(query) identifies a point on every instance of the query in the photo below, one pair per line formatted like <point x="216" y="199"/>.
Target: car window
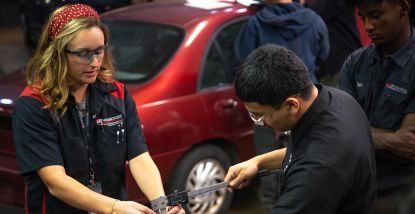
<point x="221" y="62"/>
<point x="140" y="49"/>
<point x="214" y="72"/>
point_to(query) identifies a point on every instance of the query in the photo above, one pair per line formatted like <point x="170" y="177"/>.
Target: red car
<point x="176" y="60"/>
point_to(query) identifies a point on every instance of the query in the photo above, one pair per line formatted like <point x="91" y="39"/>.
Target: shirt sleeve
<point x="35" y="136"/>
<point x="346" y="81"/>
<point x="410" y="109"/>
<point x="311" y="187"/>
<point x="136" y="143"/>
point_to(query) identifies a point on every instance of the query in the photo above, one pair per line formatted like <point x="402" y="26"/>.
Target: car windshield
<point x="140" y="49"/>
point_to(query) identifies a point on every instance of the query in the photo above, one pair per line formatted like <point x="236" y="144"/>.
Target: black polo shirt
<point x="41" y="139"/>
<point x="385" y="89"/>
<point x="330" y="165"/>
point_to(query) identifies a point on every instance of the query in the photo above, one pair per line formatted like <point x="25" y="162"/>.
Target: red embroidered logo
<point x="396" y="88"/>
<point x="99" y="122"/>
<point x="110" y="121"/>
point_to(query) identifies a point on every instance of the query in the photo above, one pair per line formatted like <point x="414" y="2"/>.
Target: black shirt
<point x="385" y="89"/>
<point x="330" y="165"/>
<point x="114" y="136"/>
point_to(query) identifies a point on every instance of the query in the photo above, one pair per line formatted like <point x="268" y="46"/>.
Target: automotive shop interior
<point x="207" y="106"/>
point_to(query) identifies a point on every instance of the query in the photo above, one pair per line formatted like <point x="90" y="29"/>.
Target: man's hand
<point x="401" y="142"/>
<point x="130" y="207"/>
<point x="240" y="175"/>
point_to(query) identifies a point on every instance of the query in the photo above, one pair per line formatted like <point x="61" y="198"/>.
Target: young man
<point x="329" y="164"/>
<point x="381" y="78"/>
<point x="289" y="24"/>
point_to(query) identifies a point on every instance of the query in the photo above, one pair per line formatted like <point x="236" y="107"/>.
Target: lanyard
<point x="84" y="119"/>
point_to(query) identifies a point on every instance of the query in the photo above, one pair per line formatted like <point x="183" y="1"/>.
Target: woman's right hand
<point x="130" y="207"/>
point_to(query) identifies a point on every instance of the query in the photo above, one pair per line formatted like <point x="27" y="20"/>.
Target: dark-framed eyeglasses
<point x="87" y="54"/>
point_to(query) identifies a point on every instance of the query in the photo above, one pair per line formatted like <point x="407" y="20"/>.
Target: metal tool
<point x="161" y="203"/>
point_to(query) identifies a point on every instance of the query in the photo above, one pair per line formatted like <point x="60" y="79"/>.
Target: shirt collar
<point x="104" y="87"/>
<point x="402" y="55"/>
<point x="319" y="105"/>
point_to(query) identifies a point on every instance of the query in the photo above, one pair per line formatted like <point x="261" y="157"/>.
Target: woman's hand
<point x="130" y="207"/>
<point x="175" y="210"/>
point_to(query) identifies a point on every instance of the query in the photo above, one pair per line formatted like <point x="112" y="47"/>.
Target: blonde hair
<point x="47" y="70"/>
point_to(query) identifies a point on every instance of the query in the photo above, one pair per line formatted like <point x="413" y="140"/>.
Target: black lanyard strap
<point x="84" y="120"/>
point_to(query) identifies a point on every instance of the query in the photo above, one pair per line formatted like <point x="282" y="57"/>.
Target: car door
<point x="225" y="111"/>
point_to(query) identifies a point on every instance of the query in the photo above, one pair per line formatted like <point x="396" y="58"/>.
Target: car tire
<point x="201" y="167"/>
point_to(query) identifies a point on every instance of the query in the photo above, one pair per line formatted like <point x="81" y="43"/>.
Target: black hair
<point x="368" y="2"/>
<point x="270" y="74"/>
<point x="359" y="3"/>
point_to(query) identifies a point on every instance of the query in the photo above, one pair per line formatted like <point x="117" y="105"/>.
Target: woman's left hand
<point x="175" y="210"/>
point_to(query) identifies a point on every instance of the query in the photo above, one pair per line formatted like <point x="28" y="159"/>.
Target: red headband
<point x="69" y="13"/>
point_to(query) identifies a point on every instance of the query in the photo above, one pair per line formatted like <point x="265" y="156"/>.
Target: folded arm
<point x="400" y="142"/>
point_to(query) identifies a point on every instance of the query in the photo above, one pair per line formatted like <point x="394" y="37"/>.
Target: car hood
<point x="11" y="85"/>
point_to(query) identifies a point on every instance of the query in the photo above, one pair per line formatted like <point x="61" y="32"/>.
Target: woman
<point x="75" y="127"/>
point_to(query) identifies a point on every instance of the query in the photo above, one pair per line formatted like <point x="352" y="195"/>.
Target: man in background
<point x="381" y="78"/>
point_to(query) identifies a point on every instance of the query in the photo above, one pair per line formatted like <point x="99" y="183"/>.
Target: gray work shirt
<point x="384" y="87"/>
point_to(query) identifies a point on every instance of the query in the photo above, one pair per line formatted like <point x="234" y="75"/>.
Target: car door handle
<point x="227" y="104"/>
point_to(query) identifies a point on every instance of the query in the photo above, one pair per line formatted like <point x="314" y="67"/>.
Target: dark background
<point x="13" y="53"/>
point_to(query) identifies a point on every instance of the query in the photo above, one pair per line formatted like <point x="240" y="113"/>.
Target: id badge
<point x="96" y="188"/>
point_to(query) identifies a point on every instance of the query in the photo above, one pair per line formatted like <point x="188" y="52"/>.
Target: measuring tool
<point x="161" y="203"/>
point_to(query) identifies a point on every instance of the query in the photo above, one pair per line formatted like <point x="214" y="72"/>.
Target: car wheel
<point x="201" y="167"/>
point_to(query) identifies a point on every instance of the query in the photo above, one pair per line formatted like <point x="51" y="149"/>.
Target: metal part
<point x="211" y="188"/>
<point x="161" y="203"/>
